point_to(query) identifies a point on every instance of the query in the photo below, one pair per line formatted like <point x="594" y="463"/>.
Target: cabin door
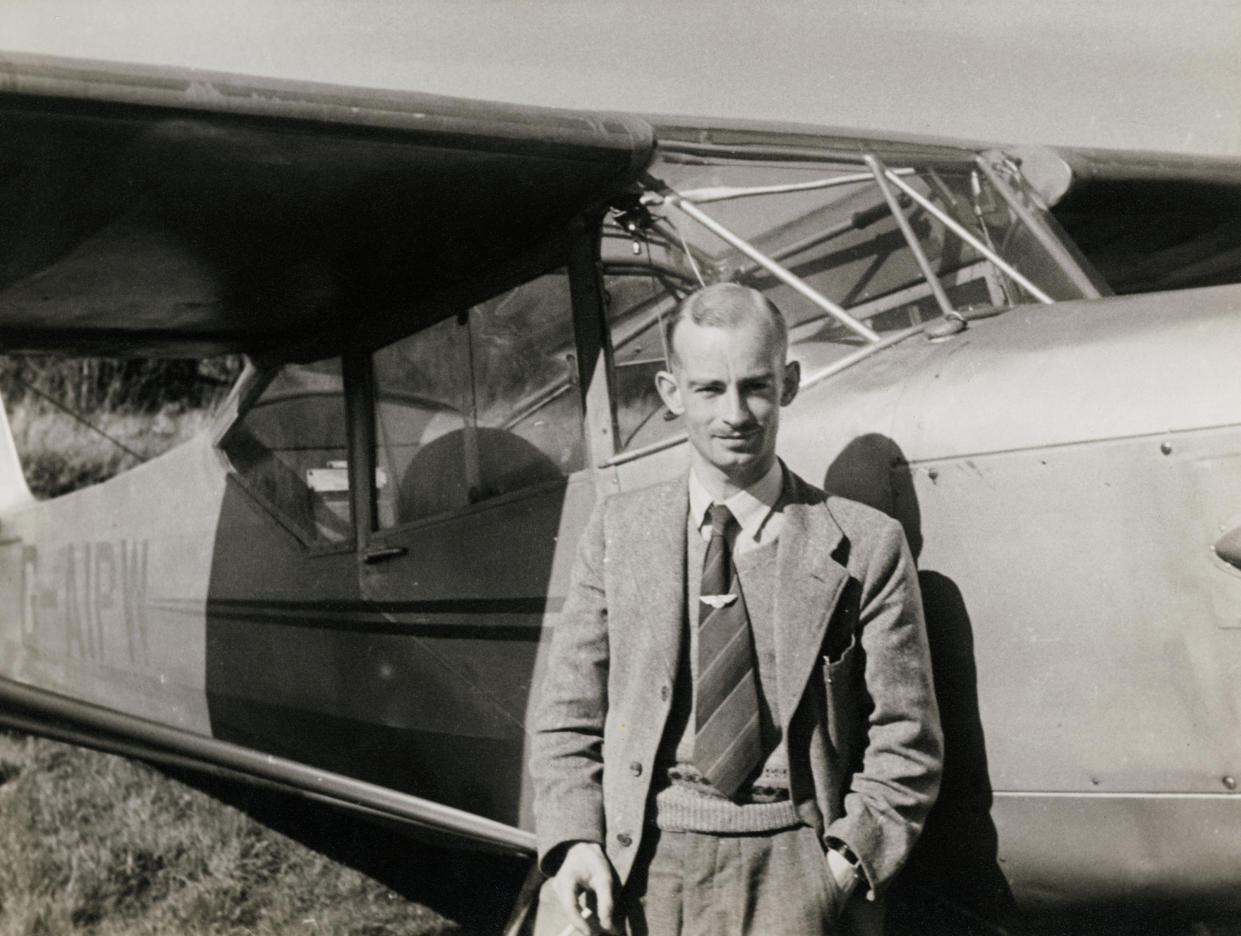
<point x="481" y="489"/>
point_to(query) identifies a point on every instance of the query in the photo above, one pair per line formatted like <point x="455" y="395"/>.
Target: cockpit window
<point x="290" y="449"/>
<point x="479" y="405"/>
<point x="851" y="250"/>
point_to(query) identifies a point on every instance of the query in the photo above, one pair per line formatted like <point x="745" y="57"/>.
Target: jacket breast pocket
<point x="841" y="636"/>
<point x="842" y="667"/>
<point x="838" y="665"/>
<point x="845" y="689"/>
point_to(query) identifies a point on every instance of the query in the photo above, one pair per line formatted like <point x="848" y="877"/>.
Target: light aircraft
<point x="451" y="313"/>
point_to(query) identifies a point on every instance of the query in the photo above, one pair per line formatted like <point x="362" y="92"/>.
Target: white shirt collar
<point x="752" y="506"/>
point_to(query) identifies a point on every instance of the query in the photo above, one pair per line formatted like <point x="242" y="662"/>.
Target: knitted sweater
<point x="683" y="799"/>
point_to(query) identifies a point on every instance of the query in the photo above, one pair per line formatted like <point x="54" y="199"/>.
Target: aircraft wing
<point x="182" y="213"/>
<point x="1146" y="221"/>
<point x="148" y="211"/>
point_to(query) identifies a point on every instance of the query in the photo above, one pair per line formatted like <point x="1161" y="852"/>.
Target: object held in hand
<point x="571" y="929"/>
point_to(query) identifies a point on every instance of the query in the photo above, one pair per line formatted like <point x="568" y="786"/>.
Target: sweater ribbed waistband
<point x="686" y="802"/>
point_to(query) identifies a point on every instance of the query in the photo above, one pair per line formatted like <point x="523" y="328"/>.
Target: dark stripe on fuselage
<point x="456" y="631"/>
<point x="536" y="605"/>
<point x="344" y="615"/>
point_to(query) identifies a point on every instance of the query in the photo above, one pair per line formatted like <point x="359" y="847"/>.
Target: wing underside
<point x="181" y="213"/>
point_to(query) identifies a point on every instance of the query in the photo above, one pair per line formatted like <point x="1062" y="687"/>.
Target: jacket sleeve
<point x="566" y="761"/>
<point x="889" y="797"/>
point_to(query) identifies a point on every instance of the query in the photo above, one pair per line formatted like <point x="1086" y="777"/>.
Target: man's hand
<point x="843" y="879"/>
<point x="584" y="872"/>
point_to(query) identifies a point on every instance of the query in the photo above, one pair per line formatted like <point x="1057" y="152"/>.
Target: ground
<point x="96" y="844"/>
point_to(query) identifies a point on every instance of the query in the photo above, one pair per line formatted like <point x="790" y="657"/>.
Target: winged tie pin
<point x="717" y="601"/>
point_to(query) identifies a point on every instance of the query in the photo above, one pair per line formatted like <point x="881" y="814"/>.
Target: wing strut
<point x="928" y="272"/>
<point x="687" y="207"/>
<point x="951" y="223"/>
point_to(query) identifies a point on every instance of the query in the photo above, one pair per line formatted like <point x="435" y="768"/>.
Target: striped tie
<point x="727" y="745"/>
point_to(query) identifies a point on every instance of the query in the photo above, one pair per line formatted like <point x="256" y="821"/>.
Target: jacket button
<point x="636" y="768"/>
<point x="663" y="693"/>
<point x="625" y="839"/>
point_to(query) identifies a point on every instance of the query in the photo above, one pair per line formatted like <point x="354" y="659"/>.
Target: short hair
<point x="725" y="305"/>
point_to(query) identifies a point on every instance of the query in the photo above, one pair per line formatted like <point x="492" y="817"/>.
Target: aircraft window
<point x="635" y="307"/>
<point x="830" y="226"/>
<point x="477" y="407"/>
<point x="290" y="448"/>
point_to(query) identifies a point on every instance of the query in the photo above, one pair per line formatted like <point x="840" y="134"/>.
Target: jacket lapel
<point x="657" y="578"/>
<point x="808" y="583"/>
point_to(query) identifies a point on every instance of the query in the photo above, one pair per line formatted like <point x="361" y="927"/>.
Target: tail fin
<point x="13" y="489"/>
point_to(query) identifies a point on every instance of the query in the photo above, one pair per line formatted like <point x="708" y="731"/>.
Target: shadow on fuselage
<point x="955" y="863"/>
<point x="414" y="672"/>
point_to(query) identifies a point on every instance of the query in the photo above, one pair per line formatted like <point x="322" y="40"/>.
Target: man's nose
<point x="736" y="410"/>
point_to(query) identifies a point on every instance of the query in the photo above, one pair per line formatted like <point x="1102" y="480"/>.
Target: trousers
<point x="695" y="884"/>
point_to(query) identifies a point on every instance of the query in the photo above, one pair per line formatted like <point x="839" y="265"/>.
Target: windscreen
<point x="851" y="250"/>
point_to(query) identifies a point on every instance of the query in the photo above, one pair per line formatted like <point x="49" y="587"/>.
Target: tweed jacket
<point x="853" y="674"/>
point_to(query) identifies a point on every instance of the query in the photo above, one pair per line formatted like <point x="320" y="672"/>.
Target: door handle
<point x="1228" y="547"/>
<point x="382" y="554"/>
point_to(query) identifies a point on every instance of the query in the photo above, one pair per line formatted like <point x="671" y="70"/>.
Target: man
<point x="738" y="727"/>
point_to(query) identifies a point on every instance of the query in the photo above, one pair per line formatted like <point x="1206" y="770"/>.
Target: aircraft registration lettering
<point x="94" y="594"/>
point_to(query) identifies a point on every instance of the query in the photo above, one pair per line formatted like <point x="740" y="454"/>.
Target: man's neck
<point x="756" y="508"/>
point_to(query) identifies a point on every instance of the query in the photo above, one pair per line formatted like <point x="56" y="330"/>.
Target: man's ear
<point x="791" y="383"/>
<point x="669" y="392"/>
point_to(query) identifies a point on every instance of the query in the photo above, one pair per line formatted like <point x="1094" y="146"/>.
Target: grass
<point x="96" y="844"/>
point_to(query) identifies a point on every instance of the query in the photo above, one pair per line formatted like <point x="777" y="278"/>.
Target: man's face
<point x="729" y="384"/>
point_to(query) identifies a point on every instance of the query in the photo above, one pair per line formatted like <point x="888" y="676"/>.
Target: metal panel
<point x="1087" y="579"/>
<point x="1100" y="850"/>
